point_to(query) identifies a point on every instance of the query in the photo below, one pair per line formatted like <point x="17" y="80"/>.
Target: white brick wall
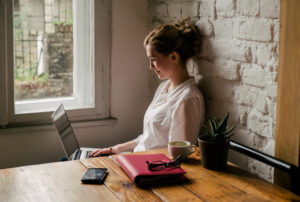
<point x="190" y="9"/>
<point x="225" y="8"/>
<point x="263" y="54"/>
<point x="253" y="75"/>
<point x="270" y="8"/>
<point x="229" y="50"/>
<point x="253" y="29"/>
<point x="227" y="70"/>
<point x="207" y="8"/>
<point x="174" y="10"/>
<point x="248" y="8"/>
<point x="237" y="68"/>
<point x="246" y="95"/>
<point x="160" y="10"/>
<point x="223" y="29"/>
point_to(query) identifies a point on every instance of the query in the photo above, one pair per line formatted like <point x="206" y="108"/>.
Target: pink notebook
<point x="137" y="169"/>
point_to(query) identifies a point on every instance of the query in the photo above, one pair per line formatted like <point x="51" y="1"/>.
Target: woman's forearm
<point x="127" y="146"/>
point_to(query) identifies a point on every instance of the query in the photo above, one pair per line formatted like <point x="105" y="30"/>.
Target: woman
<point x="177" y="109"/>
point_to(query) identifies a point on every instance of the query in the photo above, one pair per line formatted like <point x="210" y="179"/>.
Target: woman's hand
<point x="104" y="152"/>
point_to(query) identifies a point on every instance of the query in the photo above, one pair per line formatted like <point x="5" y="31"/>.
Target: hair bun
<point x="190" y="34"/>
<point x="187" y="28"/>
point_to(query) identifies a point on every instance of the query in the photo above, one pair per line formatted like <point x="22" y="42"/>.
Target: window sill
<point x="49" y="126"/>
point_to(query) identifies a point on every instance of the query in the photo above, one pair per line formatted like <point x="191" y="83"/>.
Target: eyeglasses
<point x="160" y="165"/>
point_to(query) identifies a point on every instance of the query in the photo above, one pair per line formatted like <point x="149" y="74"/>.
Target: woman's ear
<point x="174" y="56"/>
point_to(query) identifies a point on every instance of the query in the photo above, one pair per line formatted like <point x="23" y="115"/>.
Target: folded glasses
<point x="160" y="165"/>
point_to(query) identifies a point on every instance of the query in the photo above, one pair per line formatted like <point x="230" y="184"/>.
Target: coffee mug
<point x="181" y="147"/>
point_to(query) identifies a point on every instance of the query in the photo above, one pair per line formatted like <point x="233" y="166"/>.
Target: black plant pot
<point x="214" y="155"/>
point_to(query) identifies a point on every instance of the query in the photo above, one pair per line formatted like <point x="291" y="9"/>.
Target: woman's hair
<point x="182" y="37"/>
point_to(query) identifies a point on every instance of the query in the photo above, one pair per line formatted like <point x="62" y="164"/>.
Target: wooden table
<point x="61" y="182"/>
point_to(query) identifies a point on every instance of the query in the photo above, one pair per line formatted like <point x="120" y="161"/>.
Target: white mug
<point x="181" y="147"/>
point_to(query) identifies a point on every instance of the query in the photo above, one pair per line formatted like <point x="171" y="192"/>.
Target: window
<point x="49" y="58"/>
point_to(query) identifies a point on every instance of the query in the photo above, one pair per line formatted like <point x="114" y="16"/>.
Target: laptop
<point x="67" y="137"/>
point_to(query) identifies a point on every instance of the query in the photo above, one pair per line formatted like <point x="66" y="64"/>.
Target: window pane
<point x="53" y="55"/>
<point x="43" y="49"/>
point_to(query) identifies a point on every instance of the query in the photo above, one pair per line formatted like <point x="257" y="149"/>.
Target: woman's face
<point x="162" y="65"/>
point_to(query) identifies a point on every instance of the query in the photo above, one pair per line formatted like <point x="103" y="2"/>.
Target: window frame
<point x="102" y="65"/>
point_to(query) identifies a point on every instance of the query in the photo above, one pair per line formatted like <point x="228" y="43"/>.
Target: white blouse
<point x="174" y="115"/>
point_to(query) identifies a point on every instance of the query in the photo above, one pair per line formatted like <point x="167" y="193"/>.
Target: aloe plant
<point x="217" y="131"/>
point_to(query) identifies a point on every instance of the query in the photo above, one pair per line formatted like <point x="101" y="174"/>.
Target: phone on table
<point x="94" y="176"/>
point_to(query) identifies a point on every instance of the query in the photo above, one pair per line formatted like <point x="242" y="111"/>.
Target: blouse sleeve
<point x="136" y="140"/>
<point x="187" y="118"/>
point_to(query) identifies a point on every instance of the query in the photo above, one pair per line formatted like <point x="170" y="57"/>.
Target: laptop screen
<point x="64" y="128"/>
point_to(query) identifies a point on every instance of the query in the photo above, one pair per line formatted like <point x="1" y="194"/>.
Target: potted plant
<point x="215" y="144"/>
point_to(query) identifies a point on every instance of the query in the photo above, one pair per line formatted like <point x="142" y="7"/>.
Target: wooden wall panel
<point x="288" y="100"/>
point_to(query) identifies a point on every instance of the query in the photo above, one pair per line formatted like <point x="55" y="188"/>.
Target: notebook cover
<point x="137" y="169"/>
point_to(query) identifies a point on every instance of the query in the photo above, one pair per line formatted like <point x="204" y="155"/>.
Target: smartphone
<point x="94" y="176"/>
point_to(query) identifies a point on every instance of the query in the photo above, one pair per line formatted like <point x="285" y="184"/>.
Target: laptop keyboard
<point x="77" y="155"/>
<point x="87" y="154"/>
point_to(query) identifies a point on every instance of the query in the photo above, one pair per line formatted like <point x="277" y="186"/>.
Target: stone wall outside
<point x="43" y="44"/>
<point x="57" y="64"/>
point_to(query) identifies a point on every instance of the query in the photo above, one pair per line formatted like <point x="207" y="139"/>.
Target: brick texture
<point x="253" y="29"/>
<point x="225" y="8"/>
<point x="248" y="8"/>
<point x="270" y="8"/>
